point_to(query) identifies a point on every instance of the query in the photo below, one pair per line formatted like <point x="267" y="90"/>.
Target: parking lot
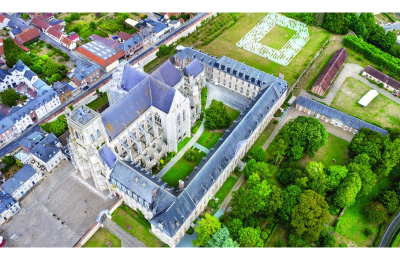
<point x="63" y="193"/>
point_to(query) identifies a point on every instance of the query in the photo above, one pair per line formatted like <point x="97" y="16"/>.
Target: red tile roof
<point x="171" y="14"/>
<point x="382" y="77"/>
<point x="66" y="41"/>
<point x="124" y="36"/>
<point x="73" y="37"/>
<point x="99" y="60"/>
<point x="40" y="23"/>
<point x="28" y="36"/>
<point x="1" y="50"/>
<point x="2" y="17"/>
<point x="55" y="33"/>
<point x="1" y="40"/>
<point x="181" y="20"/>
<point x="331" y="69"/>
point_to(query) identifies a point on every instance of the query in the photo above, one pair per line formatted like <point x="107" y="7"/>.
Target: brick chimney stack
<point x="181" y="184"/>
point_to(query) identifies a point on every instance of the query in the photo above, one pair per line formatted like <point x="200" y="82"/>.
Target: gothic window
<point x="254" y="87"/>
<point x="98" y="133"/>
<point x="82" y="138"/>
<point x="248" y="84"/>
<point x="218" y="81"/>
<point x="183" y="115"/>
<point x="157" y="118"/>
<point x="178" y="119"/>
<point x="116" y="149"/>
<point x="93" y="140"/>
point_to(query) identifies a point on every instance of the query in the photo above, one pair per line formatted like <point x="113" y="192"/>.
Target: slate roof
<point x="158" y="27"/>
<point x="100" y="53"/>
<point x="167" y="73"/>
<point x="130" y="78"/>
<point x="194" y="69"/>
<point x="31" y="140"/>
<point x="146" y="32"/>
<point x="4" y="74"/>
<point x="131" y="42"/>
<point x="60" y="88"/>
<point x="41" y="86"/>
<point x="338" y="115"/>
<point x="331" y="69"/>
<point x="16" y="31"/>
<point x="24" y="174"/>
<point x="55" y="21"/>
<point x="29" y="74"/>
<point x="107" y="156"/>
<point x="382" y="77"/>
<point x="124" y="36"/>
<point x="6" y="201"/>
<point x="11" y="24"/>
<point x="28" y="36"/>
<point x="46" y="148"/>
<point x="83" y="115"/>
<point x="19" y="66"/>
<point x="40" y="23"/>
<point x="5" y="124"/>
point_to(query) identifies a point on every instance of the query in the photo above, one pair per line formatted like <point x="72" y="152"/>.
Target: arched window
<point x="157" y="119"/>
<point x="116" y="149"/>
<point x="183" y="115"/>
<point x="178" y="119"/>
<point x="98" y="133"/>
<point x="93" y="139"/>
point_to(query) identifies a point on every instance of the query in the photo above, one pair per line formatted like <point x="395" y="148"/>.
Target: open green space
<point x="209" y="138"/>
<point x="181" y="169"/>
<point x="100" y="238"/>
<point x="277" y="37"/>
<point x="98" y="102"/>
<point x="232" y="113"/>
<point x="183" y="143"/>
<point x="122" y="218"/>
<point x="225" y="45"/>
<point x="381" y="111"/>
<point x="352" y="224"/>
<point x="263" y="137"/>
<point x="335" y="148"/>
<point x="225" y="189"/>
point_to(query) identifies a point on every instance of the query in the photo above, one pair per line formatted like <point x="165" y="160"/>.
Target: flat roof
<point x="100" y="49"/>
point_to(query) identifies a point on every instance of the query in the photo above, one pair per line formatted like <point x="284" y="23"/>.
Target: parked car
<point x="86" y="88"/>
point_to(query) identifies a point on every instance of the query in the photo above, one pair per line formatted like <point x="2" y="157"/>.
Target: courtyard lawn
<point x="181" y="169"/>
<point x="352" y="224"/>
<point x="98" y="102"/>
<point x="232" y="113"/>
<point x="209" y="138"/>
<point x="381" y="111"/>
<point x="122" y="218"/>
<point x="100" y="238"/>
<point x="225" y="189"/>
<point x="183" y="143"/>
<point x="277" y="37"/>
<point x="335" y="148"/>
<point x="263" y="137"/>
<point x="225" y="45"/>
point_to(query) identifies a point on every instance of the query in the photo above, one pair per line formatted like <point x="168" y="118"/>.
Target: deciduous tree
<point x="234" y="226"/>
<point x="290" y="197"/>
<point x="316" y="177"/>
<point x="250" y="237"/>
<point x="216" y="116"/>
<point x="206" y="228"/>
<point x="274" y="201"/>
<point x="390" y="200"/>
<point x="375" y="212"/>
<point x="9" y="97"/>
<point x="348" y="190"/>
<point x="334" y="176"/>
<point x="219" y="239"/>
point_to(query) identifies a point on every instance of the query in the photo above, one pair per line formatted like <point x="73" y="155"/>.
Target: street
<point x="14" y="144"/>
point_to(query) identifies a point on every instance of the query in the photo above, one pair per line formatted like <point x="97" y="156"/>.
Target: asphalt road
<point x="390" y="232"/>
<point x="14" y="144"/>
<point x="392" y="27"/>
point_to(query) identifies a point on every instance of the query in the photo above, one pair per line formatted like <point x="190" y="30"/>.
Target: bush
<point x="264" y="235"/>
<point x="212" y="204"/>
<point x="368" y="231"/>
<point x="343" y="245"/>
<point x="61" y="59"/>
<point x="143" y="219"/>
<point x="275" y="122"/>
<point x="190" y="155"/>
<point x="190" y="231"/>
<point x="375" y="212"/>
<point x="45" y="57"/>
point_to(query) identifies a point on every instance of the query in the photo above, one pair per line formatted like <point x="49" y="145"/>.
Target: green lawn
<point x="352" y="224"/>
<point x="122" y="218"/>
<point x="263" y="137"/>
<point x="381" y="111"/>
<point x="335" y="148"/>
<point x="98" y="102"/>
<point x="183" y="143"/>
<point x="100" y="238"/>
<point x="232" y="113"/>
<point x="225" y="45"/>
<point x="181" y="169"/>
<point x="209" y="138"/>
<point x="225" y="189"/>
<point x="277" y="37"/>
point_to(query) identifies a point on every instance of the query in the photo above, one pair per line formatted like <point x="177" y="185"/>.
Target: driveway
<point x="60" y="194"/>
<point x="228" y="97"/>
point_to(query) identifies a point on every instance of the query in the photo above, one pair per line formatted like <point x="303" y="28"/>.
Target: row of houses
<point x="389" y="83"/>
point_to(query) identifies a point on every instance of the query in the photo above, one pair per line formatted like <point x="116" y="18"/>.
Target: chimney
<point x="154" y="193"/>
<point x="181" y="184"/>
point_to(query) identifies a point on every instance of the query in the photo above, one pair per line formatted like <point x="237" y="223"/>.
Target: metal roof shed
<point x="367" y="98"/>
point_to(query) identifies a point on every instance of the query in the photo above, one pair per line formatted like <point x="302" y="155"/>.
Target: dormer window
<point x="144" y="184"/>
<point x="136" y="179"/>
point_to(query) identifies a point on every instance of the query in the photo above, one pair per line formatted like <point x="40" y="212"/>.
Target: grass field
<point x="181" y="169"/>
<point x="381" y="111"/>
<point x="352" y="224"/>
<point x="98" y="102"/>
<point x="100" y="238"/>
<point x="335" y="148"/>
<point x="225" y="189"/>
<point x="209" y="138"/>
<point x="183" y="143"/>
<point x="225" y="45"/>
<point x="263" y="137"/>
<point x="232" y="113"/>
<point x="277" y="37"/>
<point x="122" y="218"/>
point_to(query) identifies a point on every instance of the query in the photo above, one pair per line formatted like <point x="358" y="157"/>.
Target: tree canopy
<point x="290" y="197"/>
<point x="207" y="227"/>
<point x="216" y="116"/>
<point x="375" y="212"/>
<point x="316" y="177"/>
<point x="348" y="190"/>
<point x="250" y="237"/>
<point x="220" y="239"/>
<point x="234" y="226"/>
<point x="334" y="176"/>
<point x="12" y="52"/>
<point x="9" y="97"/>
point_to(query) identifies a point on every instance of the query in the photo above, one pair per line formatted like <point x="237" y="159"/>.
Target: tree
<point x="234" y="226"/>
<point x="75" y="16"/>
<point x="310" y="215"/>
<point x="316" y="177"/>
<point x="11" y="52"/>
<point x="360" y="165"/>
<point x="259" y="154"/>
<point x="289" y="172"/>
<point x="190" y="155"/>
<point x="279" y="150"/>
<point x="348" y="190"/>
<point x="9" y="160"/>
<point x="45" y="57"/>
<point x="390" y="155"/>
<point x="290" y="197"/>
<point x="216" y="116"/>
<point x="230" y="243"/>
<point x="57" y="127"/>
<point x="338" y="22"/>
<point x="120" y="19"/>
<point x="206" y="228"/>
<point x="390" y="200"/>
<point x="37" y="68"/>
<point x="274" y="201"/>
<point x="26" y="59"/>
<point x="92" y="25"/>
<point x="376" y="33"/>
<point x="163" y="50"/>
<point x="220" y="238"/>
<point x="326" y="240"/>
<point x="295" y="241"/>
<point x="369" y="142"/>
<point x="9" y="97"/>
<point x="248" y="169"/>
<point x="49" y="68"/>
<point x="55" y="77"/>
<point x="334" y="176"/>
<point x="375" y="212"/>
<point x="388" y="40"/>
<point x="173" y="17"/>
<point x="250" y="237"/>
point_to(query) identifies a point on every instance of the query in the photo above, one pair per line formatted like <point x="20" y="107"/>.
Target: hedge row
<point x="373" y="54"/>
<point x="207" y="41"/>
<point x="271" y="235"/>
<point x="389" y="17"/>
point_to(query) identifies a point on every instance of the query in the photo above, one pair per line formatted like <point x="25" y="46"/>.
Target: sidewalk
<point x="228" y="198"/>
<point x="127" y="240"/>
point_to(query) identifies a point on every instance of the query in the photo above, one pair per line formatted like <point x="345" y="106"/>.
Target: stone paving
<point x="201" y="148"/>
<point x="228" y="97"/>
<point x="60" y="194"/>
<point x="127" y="240"/>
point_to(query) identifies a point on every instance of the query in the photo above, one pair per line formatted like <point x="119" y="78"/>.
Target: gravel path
<point x="127" y="240"/>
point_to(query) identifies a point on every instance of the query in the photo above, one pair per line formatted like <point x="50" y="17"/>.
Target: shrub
<point x="45" y="57"/>
<point x="280" y="243"/>
<point x="368" y="231"/>
<point x="275" y="122"/>
<point x="143" y="219"/>
<point x="190" y="231"/>
<point x="61" y="59"/>
<point x="9" y="160"/>
<point x="375" y="212"/>
<point x="264" y="235"/>
<point x="343" y="245"/>
<point x="190" y="155"/>
<point x="212" y="204"/>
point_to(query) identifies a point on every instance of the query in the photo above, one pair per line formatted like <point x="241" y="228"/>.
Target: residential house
<point x="389" y="83"/>
<point x="321" y="85"/>
<point x="160" y="28"/>
<point x="106" y="57"/>
<point x="181" y="20"/>
<point x="6" y="80"/>
<point x="55" y="22"/>
<point x="63" y="91"/>
<point x="67" y="43"/>
<point x="131" y="46"/>
<point x="55" y="34"/>
<point x="123" y="36"/>
<point x="335" y="117"/>
<point x="8" y="207"/>
<point x="74" y="38"/>
<point x="27" y="36"/>
<point x="3" y="21"/>
<point x="31" y="140"/>
<point x="147" y="34"/>
<point x="167" y="16"/>
<point x="1" y="48"/>
<point x="174" y="24"/>
<point x="7" y="130"/>
<point x="132" y="23"/>
<point x="47" y="17"/>
<point x="19" y="29"/>
<point x="40" y="24"/>
<point x="85" y="75"/>
<point x="108" y="42"/>
<point x="21" y="182"/>
<point x="48" y="152"/>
